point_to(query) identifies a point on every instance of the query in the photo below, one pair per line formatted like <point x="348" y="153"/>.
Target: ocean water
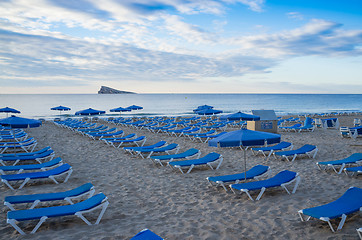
<point x="38" y="105"/>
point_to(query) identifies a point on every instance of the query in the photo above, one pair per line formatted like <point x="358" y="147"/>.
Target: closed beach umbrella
<point x="8" y="110"/>
<point x="244" y="138"/>
<point x="240" y="116"/>
<point x="135" y="107"/>
<point x="208" y="111"/>
<point x="60" y="109"/>
<point x="89" y="112"/>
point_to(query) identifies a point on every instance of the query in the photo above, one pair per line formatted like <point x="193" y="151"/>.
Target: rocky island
<point x="108" y="90"/>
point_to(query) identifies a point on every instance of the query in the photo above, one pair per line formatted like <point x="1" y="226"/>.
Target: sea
<point x="38" y="105"/>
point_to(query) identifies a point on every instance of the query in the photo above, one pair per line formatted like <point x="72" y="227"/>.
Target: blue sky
<point x="181" y="46"/>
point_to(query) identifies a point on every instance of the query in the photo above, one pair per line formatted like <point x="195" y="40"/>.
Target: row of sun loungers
<point x="53" y="169"/>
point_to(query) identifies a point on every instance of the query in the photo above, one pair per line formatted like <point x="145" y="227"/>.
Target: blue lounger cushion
<point x="206" y="160"/>
<point x="350" y="202"/>
<point x="306" y="149"/>
<point x="187" y="154"/>
<point x="134" y="149"/>
<point x="62" y="169"/>
<point x="254" y="172"/>
<point x="39" y="166"/>
<point x="7" y="155"/>
<point x="280" y="180"/>
<point x="43" y="197"/>
<point x="41" y="214"/>
<point x="353" y="159"/>
<point x="353" y="170"/>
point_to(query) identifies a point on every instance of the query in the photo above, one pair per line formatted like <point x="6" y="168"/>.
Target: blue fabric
<point x="240" y="116"/>
<point x="351" y="159"/>
<point x="9" y="110"/>
<point x="90" y="111"/>
<point x="277" y="147"/>
<point x="187" y="153"/>
<point x="276" y="181"/>
<point x="32" y="166"/>
<point x="244" y="138"/>
<point x="134" y="107"/>
<point x="161" y="149"/>
<point x="208" y="111"/>
<point x="250" y="174"/>
<point x="29" y="214"/>
<point x="49" y="196"/>
<point x="304" y="149"/>
<point x="349" y="202"/>
<point x="156" y="145"/>
<point x="120" y="109"/>
<point x="146" y="234"/>
<point x="25" y="154"/>
<point x="354" y="169"/>
<point x="34" y="175"/>
<point x="60" y="108"/>
<point x="206" y="159"/>
<point x="19" y="122"/>
<point x="28" y="157"/>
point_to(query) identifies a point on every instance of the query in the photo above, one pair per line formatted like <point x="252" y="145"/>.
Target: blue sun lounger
<point x="35" y="199"/>
<point x="132" y="150"/>
<point x="166" y="149"/>
<point x="359" y="231"/>
<point x="255" y="172"/>
<point x="112" y="135"/>
<point x="26" y="177"/>
<point x="28" y="146"/>
<point x="355" y="158"/>
<point x="350" y="202"/>
<point x="279" y="147"/>
<point x="109" y="140"/>
<point x="353" y="170"/>
<point x="205" y="138"/>
<point x="42" y="214"/>
<point x="309" y="150"/>
<point x="146" y="234"/>
<point x="25" y="154"/>
<point x="49" y="154"/>
<point x="282" y="179"/>
<point x="41" y="166"/>
<point x="192" y="152"/>
<point x="206" y="160"/>
<point x="139" y="141"/>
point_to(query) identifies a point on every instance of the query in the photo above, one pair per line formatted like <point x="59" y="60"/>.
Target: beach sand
<point x="175" y="206"/>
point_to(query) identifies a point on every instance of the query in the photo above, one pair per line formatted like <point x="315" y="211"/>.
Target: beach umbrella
<point x="89" y="112"/>
<point x="8" y="110"/>
<point x="120" y="109"/>
<point x="19" y="122"/>
<point x="240" y="116"/>
<point x="135" y="107"/>
<point x="208" y="111"/>
<point x="244" y="138"/>
<point x="60" y="109"/>
<point x="202" y="107"/>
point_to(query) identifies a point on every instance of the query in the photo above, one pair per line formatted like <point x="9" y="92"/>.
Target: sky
<point x="181" y="46"/>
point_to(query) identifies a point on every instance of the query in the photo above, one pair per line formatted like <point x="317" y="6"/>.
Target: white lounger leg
<point x="104" y="206"/>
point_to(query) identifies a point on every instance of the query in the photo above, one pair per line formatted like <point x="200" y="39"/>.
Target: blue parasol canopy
<point x="8" y="110"/>
<point x="120" y="109"/>
<point x="134" y="107"/>
<point x="60" y="108"/>
<point x="244" y="138"/>
<point x="19" y="122"/>
<point x="90" y="111"/>
<point x="146" y="234"/>
<point x="208" y="111"/>
<point x="240" y="116"/>
<point x="202" y="107"/>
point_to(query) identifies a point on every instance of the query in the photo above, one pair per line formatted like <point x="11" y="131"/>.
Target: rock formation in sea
<point x="108" y="90"/>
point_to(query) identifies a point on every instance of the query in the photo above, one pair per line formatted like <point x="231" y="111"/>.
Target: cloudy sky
<point x="181" y="46"/>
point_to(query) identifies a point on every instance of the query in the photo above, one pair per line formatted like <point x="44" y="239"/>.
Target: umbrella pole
<point x="244" y="150"/>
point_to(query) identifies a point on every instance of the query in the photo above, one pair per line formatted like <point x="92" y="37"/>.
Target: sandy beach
<point x="175" y="206"/>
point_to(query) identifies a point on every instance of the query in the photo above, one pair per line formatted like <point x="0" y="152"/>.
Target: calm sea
<point x="38" y="105"/>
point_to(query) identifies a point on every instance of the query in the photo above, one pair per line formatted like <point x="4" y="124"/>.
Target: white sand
<point x="176" y="206"/>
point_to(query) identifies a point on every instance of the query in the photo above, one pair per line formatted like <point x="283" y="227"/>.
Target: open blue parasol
<point x="208" y="111"/>
<point x="120" y="109"/>
<point x="240" y="116"/>
<point x="244" y="138"/>
<point x="135" y="107"/>
<point x="89" y="112"/>
<point x="19" y="122"/>
<point x="60" y="109"/>
<point x="202" y="107"/>
<point x="8" y="110"/>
